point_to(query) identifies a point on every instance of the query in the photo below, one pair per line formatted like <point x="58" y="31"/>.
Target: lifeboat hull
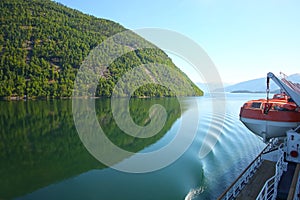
<point x="268" y="129"/>
<point x="272" y="118"/>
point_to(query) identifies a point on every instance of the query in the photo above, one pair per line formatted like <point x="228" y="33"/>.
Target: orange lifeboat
<point x="270" y="118"/>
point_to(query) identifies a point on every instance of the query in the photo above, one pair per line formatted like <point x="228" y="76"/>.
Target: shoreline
<point x="15" y="98"/>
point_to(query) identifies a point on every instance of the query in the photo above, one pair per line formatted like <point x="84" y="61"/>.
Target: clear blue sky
<point x="245" y="39"/>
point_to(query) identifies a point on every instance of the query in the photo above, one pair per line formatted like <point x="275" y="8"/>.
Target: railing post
<point x="297" y="191"/>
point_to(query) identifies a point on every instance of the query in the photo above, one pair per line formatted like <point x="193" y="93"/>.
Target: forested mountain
<point x="43" y="44"/>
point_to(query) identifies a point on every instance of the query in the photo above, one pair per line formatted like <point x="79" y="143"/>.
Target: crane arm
<point x="293" y="94"/>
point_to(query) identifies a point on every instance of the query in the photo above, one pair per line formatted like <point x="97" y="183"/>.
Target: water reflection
<point x="39" y="144"/>
<point x="42" y="157"/>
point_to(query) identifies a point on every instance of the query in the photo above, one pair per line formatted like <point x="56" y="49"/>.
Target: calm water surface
<point x="42" y="157"/>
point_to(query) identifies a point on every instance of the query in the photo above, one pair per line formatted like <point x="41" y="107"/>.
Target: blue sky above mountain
<point x="245" y="39"/>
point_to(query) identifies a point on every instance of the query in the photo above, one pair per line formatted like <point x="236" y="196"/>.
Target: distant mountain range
<point x="252" y="86"/>
<point x="258" y="85"/>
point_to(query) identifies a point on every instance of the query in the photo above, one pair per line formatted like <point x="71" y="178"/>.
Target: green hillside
<point x="43" y="44"/>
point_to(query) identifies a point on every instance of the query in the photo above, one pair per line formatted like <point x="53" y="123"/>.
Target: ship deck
<point x="286" y="187"/>
<point x="263" y="171"/>
<point x="256" y="183"/>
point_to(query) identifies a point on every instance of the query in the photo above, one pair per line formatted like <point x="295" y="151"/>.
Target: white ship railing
<point x="269" y="191"/>
<point x="235" y="188"/>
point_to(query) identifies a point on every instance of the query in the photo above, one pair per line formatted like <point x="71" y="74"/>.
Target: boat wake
<point x="230" y="133"/>
<point x="193" y="193"/>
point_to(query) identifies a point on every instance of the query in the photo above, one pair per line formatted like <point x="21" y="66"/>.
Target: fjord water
<point x="42" y="157"/>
